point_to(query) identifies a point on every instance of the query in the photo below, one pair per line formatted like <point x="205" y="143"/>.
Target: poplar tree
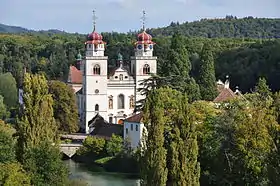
<point x="37" y="123"/>
<point x="154" y="171"/>
<point x="207" y="80"/>
<point x="171" y="131"/>
<point x="37" y="131"/>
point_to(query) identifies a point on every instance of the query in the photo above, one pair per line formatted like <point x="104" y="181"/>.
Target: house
<point x="225" y="93"/>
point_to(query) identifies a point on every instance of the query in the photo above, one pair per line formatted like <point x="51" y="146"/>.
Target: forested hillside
<point x="245" y="59"/>
<point x="230" y="27"/>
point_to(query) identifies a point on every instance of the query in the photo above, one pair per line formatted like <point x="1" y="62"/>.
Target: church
<point x="112" y="94"/>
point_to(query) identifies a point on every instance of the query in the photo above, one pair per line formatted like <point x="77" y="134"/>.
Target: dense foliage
<point x="64" y="107"/>
<point x="244" y="59"/>
<point x="171" y="150"/>
<point x="37" y="134"/>
<point x="8" y="89"/>
<point x="230" y="26"/>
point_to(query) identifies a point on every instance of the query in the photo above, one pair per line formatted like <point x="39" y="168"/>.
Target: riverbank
<point x="119" y="165"/>
<point x="91" y="176"/>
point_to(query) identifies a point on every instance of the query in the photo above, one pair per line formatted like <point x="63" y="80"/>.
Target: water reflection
<point x="78" y="171"/>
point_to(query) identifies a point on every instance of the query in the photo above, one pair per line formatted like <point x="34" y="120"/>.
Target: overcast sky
<point x="124" y="15"/>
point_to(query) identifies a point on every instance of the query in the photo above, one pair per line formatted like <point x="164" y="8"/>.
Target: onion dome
<point x="94" y="38"/>
<point x="144" y="38"/>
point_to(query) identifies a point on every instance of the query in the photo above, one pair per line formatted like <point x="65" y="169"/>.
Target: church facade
<point x="112" y="94"/>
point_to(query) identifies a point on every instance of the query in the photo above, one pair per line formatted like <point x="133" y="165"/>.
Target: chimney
<point x="227" y="82"/>
<point x="236" y="90"/>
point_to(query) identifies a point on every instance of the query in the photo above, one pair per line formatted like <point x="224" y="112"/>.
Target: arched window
<point x="96" y="107"/>
<point x="146" y="69"/>
<point x="131" y="102"/>
<point x="96" y="69"/>
<point x="110" y="102"/>
<point x="121" y="101"/>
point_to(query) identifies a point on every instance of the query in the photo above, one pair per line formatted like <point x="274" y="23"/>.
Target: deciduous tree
<point x="8" y="89"/>
<point x="64" y="107"/>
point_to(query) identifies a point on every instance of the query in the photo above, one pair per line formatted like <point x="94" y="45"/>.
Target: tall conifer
<point x="207" y="80"/>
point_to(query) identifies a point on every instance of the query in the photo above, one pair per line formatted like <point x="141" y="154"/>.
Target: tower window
<point x="111" y="102"/>
<point x="96" y="69"/>
<point x="126" y="130"/>
<point x="121" y="101"/>
<point x="136" y="128"/>
<point x="89" y="46"/>
<point x="146" y="69"/>
<point x="131" y="127"/>
<point x="96" y="107"/>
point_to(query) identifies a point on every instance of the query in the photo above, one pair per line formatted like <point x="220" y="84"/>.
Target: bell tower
<point x="94" y="77"/>
<point x="143" y="63"/>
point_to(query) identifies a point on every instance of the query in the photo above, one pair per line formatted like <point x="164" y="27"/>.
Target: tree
<point x="37" y="133"/>
<point x="3" y="110"/>
<point x="178" y="62"/>
<point x="115" y="145"/>
<point x="92" y="146"/>
<point x="13" y="174"/>
<point x="263" y="89"/>
<point x="64" y="107"/>
<point x="206" y="79"/>
<point x="44" y="163"/>
<point x="37" y="123"/>
<point x="8" y="89"/>
<point x="154" y="170"/>
<point x="172" y="139"/>
<point x="7" y="143"/>
<point x="241" y="158"/>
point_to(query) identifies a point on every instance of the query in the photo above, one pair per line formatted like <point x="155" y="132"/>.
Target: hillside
<point x="12" y="29"/>
<point x="229" y="27"/>
<point x="17" y="30"/>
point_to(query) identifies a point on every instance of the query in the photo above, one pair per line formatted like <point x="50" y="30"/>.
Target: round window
<point x="96" y="91"/>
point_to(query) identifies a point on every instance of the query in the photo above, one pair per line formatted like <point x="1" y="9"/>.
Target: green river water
<point x="81" y="172"/>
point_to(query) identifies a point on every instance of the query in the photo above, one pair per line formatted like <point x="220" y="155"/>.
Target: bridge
<point x="70" y="149"/>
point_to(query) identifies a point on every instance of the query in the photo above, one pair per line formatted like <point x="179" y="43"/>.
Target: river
<point x="81" y="172"/>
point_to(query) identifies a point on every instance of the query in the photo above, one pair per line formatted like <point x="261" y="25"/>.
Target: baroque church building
<point x="110" y="94"/>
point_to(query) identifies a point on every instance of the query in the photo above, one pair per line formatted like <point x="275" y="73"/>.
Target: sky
<point x="125" y="15"/>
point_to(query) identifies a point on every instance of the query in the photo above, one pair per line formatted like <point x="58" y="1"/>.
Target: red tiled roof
<point x="75" y="75"/>
<point x="225" y="95"/>
<point x="135" y="118"/>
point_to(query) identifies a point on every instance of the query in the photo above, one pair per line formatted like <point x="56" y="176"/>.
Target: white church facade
<point x="112" y="95"/>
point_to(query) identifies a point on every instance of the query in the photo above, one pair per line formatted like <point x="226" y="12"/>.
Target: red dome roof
<point x="144" y="37"/>
<point x="94" y="36"/>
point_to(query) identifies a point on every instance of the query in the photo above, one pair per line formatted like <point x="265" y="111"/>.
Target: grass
<point x="104" y="160"/>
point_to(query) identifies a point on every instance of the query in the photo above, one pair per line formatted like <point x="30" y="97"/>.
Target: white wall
<point x="92" y="83"/>
<point x="139" y="64"/>
<point x="134" y="136"/>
